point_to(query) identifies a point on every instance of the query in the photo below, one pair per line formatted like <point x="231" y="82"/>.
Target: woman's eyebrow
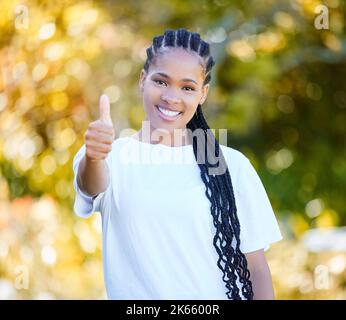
<point x="167" y="77"/>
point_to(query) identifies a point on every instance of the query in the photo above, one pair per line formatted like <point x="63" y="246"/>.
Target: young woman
<point x="191" y="229"/>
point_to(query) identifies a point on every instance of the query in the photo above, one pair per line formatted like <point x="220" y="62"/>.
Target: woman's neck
<point x="177" y="138"/>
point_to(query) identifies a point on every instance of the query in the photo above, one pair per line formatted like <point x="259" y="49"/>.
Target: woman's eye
<point x="159" y="82"/>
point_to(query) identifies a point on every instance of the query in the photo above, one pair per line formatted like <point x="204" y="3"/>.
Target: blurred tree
<point x="278" y="86"/>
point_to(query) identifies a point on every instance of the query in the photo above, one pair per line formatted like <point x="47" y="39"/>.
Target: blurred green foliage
<point x="278" y="87"/>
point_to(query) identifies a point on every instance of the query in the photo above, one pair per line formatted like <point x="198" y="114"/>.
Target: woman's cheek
<point x="152" y="95"/>
<point x="154" y="89"/>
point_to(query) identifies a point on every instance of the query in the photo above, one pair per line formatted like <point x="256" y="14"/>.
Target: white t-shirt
<point x="157" y="226"/>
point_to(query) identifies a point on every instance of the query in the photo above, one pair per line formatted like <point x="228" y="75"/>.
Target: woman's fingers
<point x="104" y="107"/>
<point x="100" y="134"/>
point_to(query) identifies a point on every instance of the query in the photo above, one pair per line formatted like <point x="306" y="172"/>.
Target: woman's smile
<point x="167" y="115"/>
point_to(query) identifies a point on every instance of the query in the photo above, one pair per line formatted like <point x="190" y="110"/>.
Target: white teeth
<point x="168" y="112"/>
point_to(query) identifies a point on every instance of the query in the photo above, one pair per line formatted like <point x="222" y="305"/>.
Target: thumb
<point x="105" y="108"/>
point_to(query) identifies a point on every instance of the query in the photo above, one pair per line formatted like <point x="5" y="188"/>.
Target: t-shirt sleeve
<point x="85" y="205"/>
<point x="258" y="225"/>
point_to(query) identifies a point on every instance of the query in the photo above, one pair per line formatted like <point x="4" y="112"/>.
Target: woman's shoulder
<point x="121" y="144"/>
<point x="234" y="156"/>
<point x="236" y="160"/>
<point x="121" y="140"/>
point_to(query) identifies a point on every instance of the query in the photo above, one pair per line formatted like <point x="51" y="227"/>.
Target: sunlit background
<point x="278" y="87"/>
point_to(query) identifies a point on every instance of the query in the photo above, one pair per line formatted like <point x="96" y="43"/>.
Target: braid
<point x="219" y="189"/>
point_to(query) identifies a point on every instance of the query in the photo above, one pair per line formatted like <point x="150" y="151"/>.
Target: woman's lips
<point x="165" y="117"/>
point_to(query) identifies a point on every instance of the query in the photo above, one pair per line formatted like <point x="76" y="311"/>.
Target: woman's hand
<point x="100" y="134"/>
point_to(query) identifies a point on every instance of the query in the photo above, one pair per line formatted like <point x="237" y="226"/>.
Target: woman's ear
<point x="142" y="79"/>
<point x="205" y="91"/>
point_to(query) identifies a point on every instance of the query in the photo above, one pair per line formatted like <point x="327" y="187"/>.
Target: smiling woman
<point x="173" y="87"/>
<point x="173" y="231"/>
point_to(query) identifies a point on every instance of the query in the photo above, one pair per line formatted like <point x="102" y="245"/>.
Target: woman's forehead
<point x="178" y="63"/>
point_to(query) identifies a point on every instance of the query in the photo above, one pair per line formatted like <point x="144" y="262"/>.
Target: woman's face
<point x="173" y="84"/>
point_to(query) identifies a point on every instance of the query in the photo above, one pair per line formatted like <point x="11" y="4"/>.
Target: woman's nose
<point x="171" y="98"/>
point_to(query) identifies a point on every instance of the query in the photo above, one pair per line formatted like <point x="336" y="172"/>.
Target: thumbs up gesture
<point x="100" y="134"/>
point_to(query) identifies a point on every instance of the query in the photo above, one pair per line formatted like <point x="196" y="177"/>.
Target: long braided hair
<point x="219" y="188"/>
